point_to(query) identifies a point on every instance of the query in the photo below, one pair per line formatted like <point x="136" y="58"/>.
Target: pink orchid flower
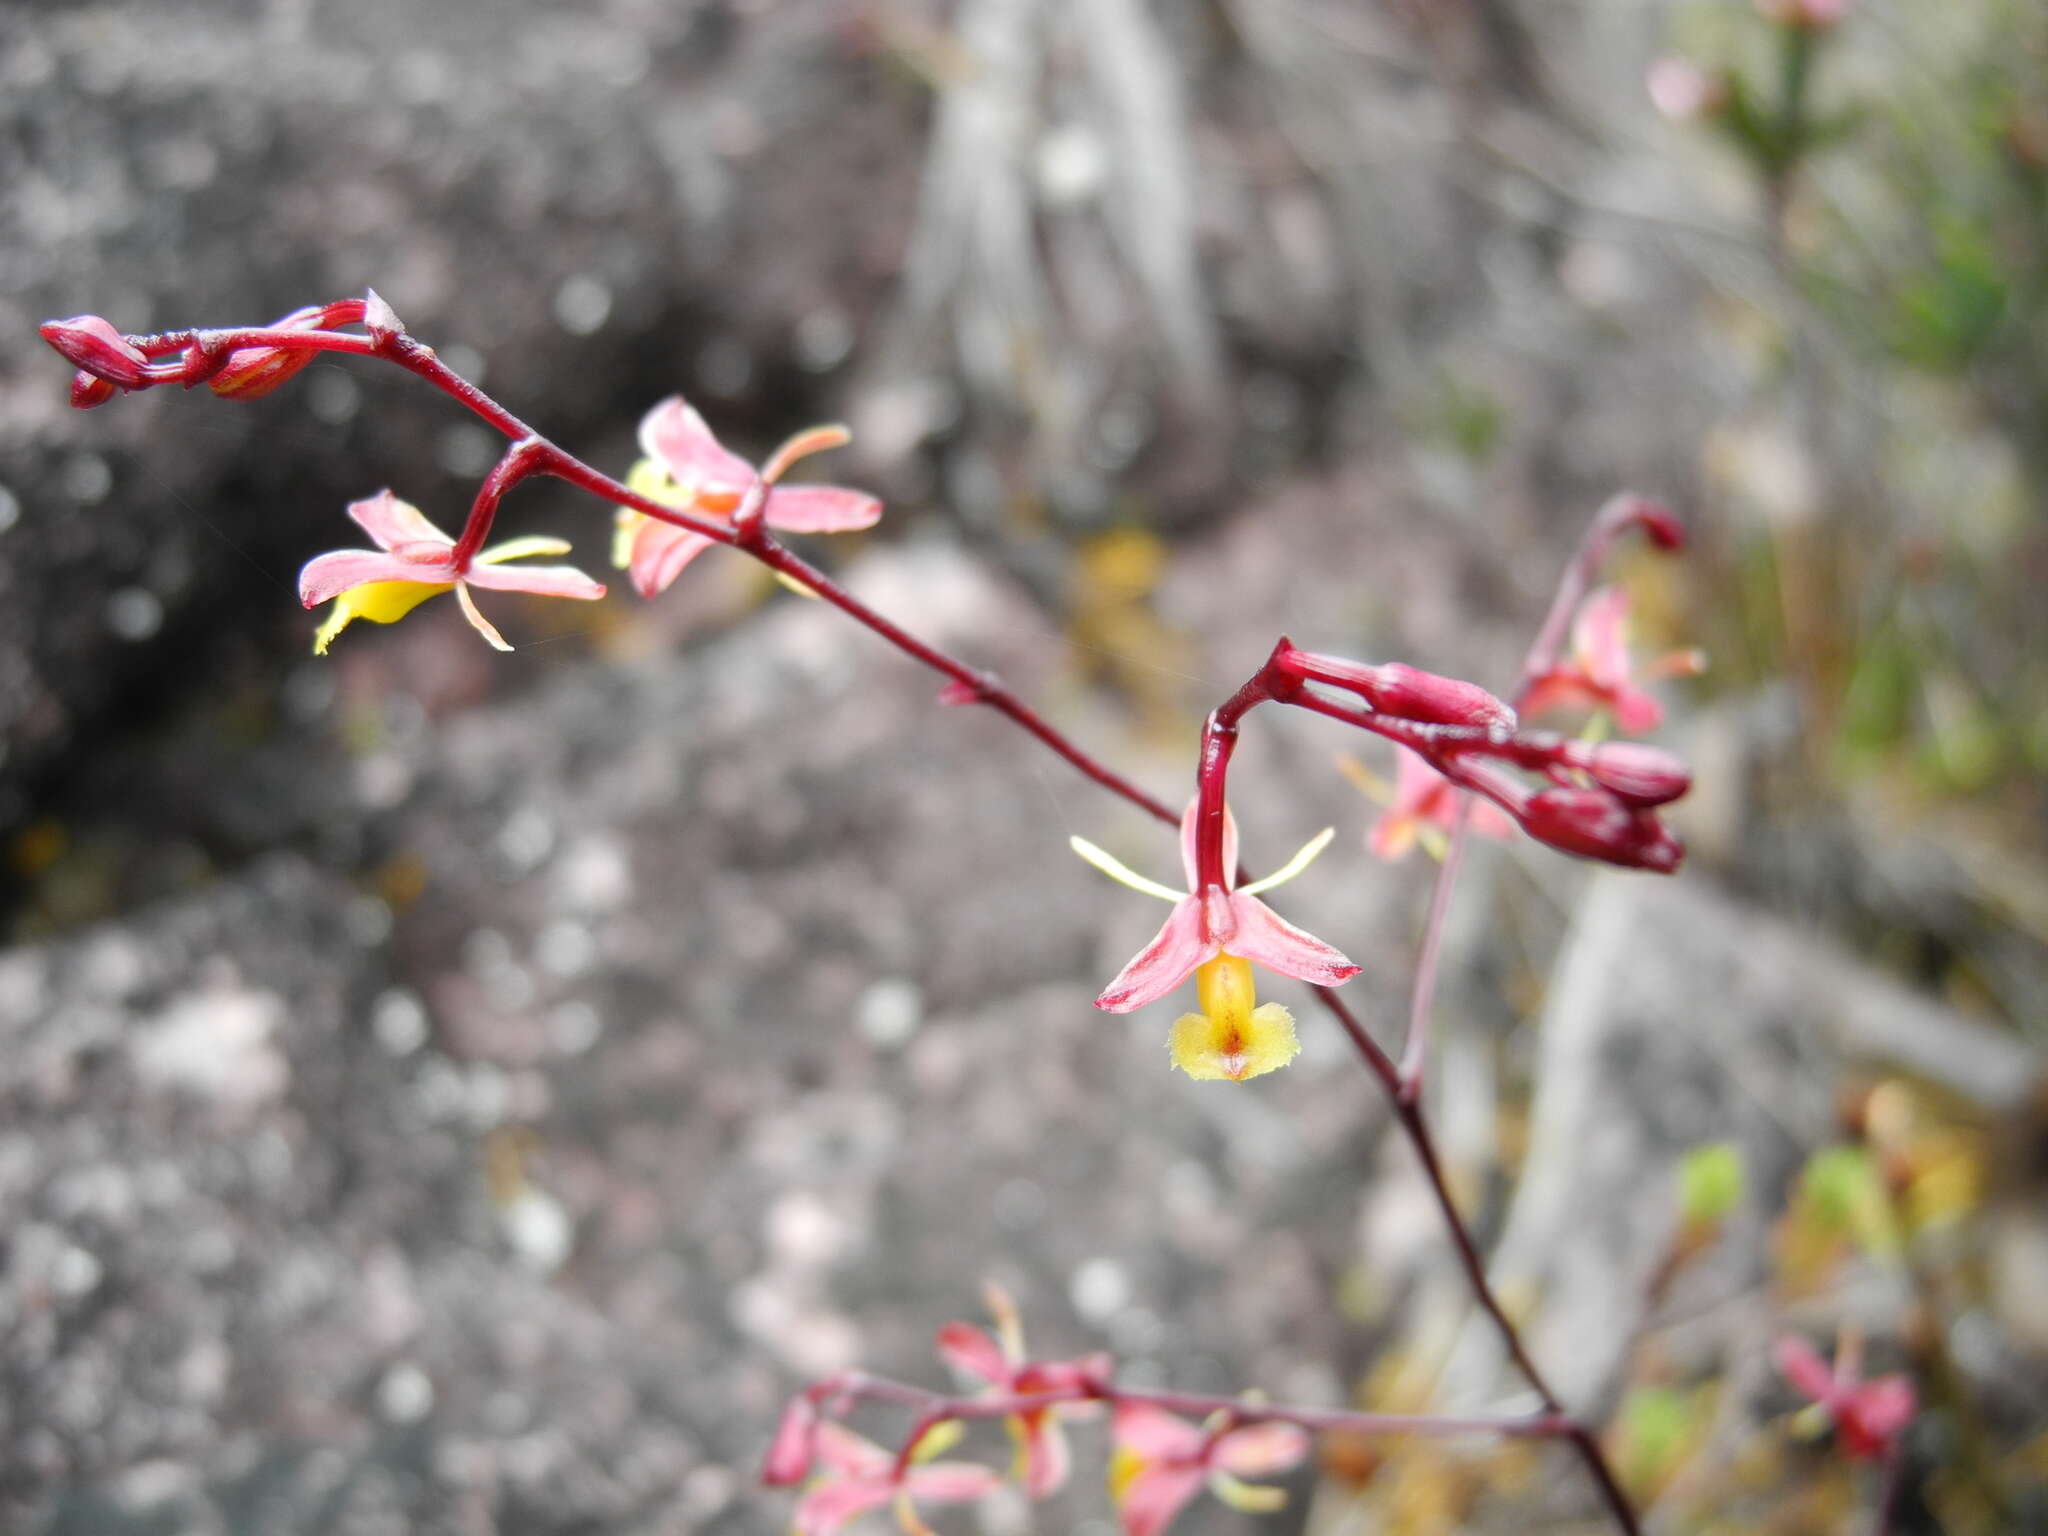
<point x="1598" y="674"/>
<point x="861" y="1476"/>
<point x="1162" y="1461"/>
<point x="1869" y="1416"/>
<point x="686" y="468"/>
<point x="1043" y="1460"/>
<point x="414" y="561"/>
<point x="1424" y="809"/>
<point x="1214" y="935"/>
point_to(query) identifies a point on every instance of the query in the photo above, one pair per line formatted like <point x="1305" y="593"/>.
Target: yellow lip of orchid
<point x="1234" y="1037"/>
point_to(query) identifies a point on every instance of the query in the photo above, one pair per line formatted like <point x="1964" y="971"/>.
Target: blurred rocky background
<point x="447" y="1092"/>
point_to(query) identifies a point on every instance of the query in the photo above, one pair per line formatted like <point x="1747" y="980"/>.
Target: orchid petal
<point x="968" y="1350"/>
<point x="660" y="552"/>
<point x="1247" y="1498"/>
<point x="1178" y="947"/>
<point x="1211" y="1048"/>
<point x="392" y="522"/>
<point x="805" y="443"/>
<point x="1042" y="1452"/>
<point x="1260" y="1450"/>
<point x="675" y="435"/>
<point x="546" y="580"/>
<point x="1187" y="844"/>
<point x="826" y="1508"/>
<point x="951" y="1482"/>
<point x="1392" y="837"/>
<point x="647" y="478"/>
<point x="1156" y="1495"/>
<point x="381" y="602"/>
<point x="329" y="575"/>
<point x="519" y="549"/>
<point x="1803" y="1367"/>
<point x="821" y="509"/>
<point x="1155" y="1434"/>
<point x="1264" y="936"/>
<point x="1636" y="712"/>
<point x="1009" y="1326"/>
<point x="477" y="621"/>
<point x="1122" y="873"/>
<point x="1293" y="866"/>
<point x="851" y="1455"/>
<point x="1600" y="636"/>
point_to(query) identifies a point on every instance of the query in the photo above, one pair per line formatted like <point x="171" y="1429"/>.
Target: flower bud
<point x="254" y="372"/>
<point x="95" y="347"/>
<point x="1640" y="775"/>
<point x="1416" y="695"/>
<point x="1596" y="825"/>
<point x="87" y="391"/>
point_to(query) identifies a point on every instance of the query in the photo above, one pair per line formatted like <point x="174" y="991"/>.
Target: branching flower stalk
<point x="1594" y="800"/>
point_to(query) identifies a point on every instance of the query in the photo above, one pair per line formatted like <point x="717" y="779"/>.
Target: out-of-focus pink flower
<point x="1161" y="1461"/>
<point x="860" y="1476"/>
<point x="1869" y="1416"/>
<point x="1214" y="934"/>
<point x="414" y="561"/>
<point x="1424" y="808"/>
<point x="1682" y="92"/>
<point x="687" y="468"/>
<point x="1597" y="674"/>
<point x="1043" y="1460"/>
<point x="1806" y="15"/>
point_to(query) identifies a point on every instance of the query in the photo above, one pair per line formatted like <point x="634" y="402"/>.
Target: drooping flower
<point x="688" y="469"/>
<point x="1161" y="1461"/>
<point x="860" y="1476"/>
<point x="1598" y="675"/>
<point x="1422" y="808"/>
<point x="1214" y="934"/>
<point x="1868" y="1416"/>
<point x="1042" y="1456"/>
<point x="414" y="561"/>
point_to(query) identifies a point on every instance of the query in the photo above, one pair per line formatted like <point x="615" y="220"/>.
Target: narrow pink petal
<point x="829" y="1506"/>
<point x="1163" y="964"/>
<point x="1156" y="1495"/>
<point x="967" y="1349"/>
<point x="1600" y="636"/>
<point x="477" y="621"/>
<point x="1260" y="1450"/>
<point x="547" y="580"/>
<point x="660" y="551"/>
<point x="1187" y="844"/>
<point x="392" y="522"/>
<point x="951" y="1482"/>
<point x="1270" y="940"/>
<point x="675" y="436"/>
<point x="1884" y="1406"/>
<point x="1157" y="1435"/>
<point x="1047" y="1461"/>
<point x="1392" y="836"/>
<point x="852" y="1455"/>
<point x="1414" y="782"/>
<point x="1636" y="711"/>
<point x="1803" y="1367"/>
<point x="329" y="575"/>
<point x="1563" y="688"/>
<point x="1489" y="820"/>
<point x="788" y="1461"/>
<point x="821" y="509"/>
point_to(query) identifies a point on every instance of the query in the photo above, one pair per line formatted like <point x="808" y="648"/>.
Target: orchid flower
<point x="1869" y="1416"/>
<point x="1422" y="807"/>
<point x="1161" y="1461"/>
<point x="414" y="561"/>
<point x="1598" y="674"/>
<point x="1042" y="1457"/>
<point x="686" y="468"/>
<point x="860" y="1475"/>
<point x="1215" y="934"/>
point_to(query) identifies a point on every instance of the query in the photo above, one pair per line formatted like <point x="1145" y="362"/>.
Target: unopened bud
<point x="1640" y="775"/>
<point x="1596" y="825"/>
<point x="1424" y="696"/>
<point x="788" y="1461"/>
<point x="254" y="372"/>
<point x="87" y="391"/>
<point x="94" y="346"/>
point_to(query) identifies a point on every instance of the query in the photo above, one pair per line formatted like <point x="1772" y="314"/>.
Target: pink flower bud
<point x="254" y="372"/>
<point x="94" y="346"/>
<point x="1641" y="775"/>
<point x="1415" y="695"/>
<point x="87" y="391"/>
<point x="1595" y="825"/>
<point x="788" y="1461"/>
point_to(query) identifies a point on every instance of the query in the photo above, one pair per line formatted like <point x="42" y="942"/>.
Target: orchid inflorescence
<point x="1467" y="762"/>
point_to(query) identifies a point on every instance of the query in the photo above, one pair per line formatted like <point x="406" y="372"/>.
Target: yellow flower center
<point x="1234" y="1036"/>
